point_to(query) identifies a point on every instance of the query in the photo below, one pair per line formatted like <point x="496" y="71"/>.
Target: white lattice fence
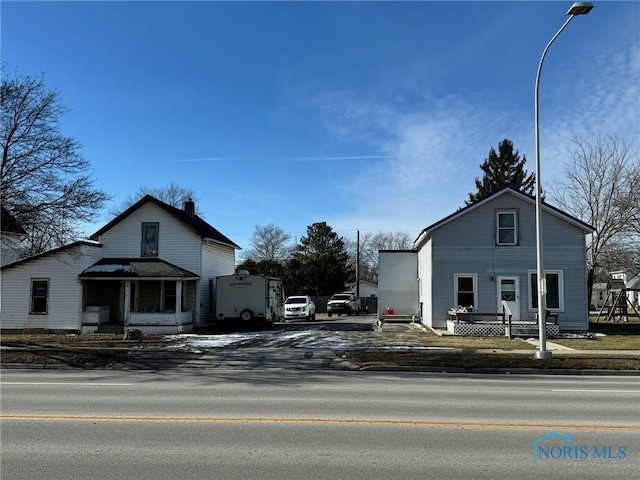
<point x="486" y="329"/>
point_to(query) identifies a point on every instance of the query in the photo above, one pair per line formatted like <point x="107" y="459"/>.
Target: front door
<point x="509" y="291"/>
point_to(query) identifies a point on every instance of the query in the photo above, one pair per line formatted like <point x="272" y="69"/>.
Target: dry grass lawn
<point x="608" y="336"/>
<point x="90" y="351"/>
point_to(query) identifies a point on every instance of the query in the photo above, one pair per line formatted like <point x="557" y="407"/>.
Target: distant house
<point x="631" y="281"/>
<point x="367" y="289"/>
<point x="149" y="269"/>
<point x="11" y="235"/>
<point x="486" y="253"/>
<point x="598" y="295"/>
<point x="368" y="295"/>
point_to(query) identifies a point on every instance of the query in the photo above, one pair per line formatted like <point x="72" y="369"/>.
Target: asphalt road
<point x="269" y="423"/>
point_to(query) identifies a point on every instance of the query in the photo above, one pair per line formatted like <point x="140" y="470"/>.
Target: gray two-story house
<point x="486" y="253"/>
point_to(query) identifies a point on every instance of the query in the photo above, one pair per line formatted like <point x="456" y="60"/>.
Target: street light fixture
<point x="578" y="8"/>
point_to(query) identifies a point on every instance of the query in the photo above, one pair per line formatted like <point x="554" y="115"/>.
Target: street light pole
<point x="578" y="8"/>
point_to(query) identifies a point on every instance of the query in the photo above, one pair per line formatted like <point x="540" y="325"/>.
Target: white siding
<point x="177" y="243"/>
<point x="425" y="273"/>
<point x="366" y="289"/>
<point x="217" y="260"/>
<point x="64" y="295"/>
<point x="398" y="282"/>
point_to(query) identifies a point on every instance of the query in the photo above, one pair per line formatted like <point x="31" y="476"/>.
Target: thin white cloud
<point x="431" y="160"/>
<point x="287" y="159"/>
<point x="603" y="94"/>
<point x="331" y="159"/>
<point x="433" y="151"/>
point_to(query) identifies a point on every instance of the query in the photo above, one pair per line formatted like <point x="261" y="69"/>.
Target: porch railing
<point x="159" y="318"/>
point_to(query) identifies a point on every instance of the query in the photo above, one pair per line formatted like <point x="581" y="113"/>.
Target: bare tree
<point x="269" y="242"/>
<point x="173" y="194"/>
<point x="46" y="182"/>
<point x="600" y="187"/>
<point x="371" y="243"/>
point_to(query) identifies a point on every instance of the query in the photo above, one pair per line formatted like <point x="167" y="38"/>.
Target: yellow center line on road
<point x="313" y="421"/>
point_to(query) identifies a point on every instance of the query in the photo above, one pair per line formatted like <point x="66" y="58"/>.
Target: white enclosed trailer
<point x="249" y="298"/>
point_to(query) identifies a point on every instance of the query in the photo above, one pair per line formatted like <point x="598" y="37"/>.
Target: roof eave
<point x="218" y="242"/>
<point x="531" y="200"/>
<point x="77" y="243"/>
<point x="135" y="277"/>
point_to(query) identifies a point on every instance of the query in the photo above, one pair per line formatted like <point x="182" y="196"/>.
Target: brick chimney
<point x="190" y="208"/>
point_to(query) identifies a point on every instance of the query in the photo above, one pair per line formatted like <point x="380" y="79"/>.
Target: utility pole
<point x="358" y="264"/>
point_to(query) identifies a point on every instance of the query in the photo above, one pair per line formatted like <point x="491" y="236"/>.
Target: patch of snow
<point x="292" y="336"/>
<point x="303" y="339"/>
<point x="407" y="347"/>
<point x="581" y="336"/>
<point x="332" y="342"/>
<point x="286" y="339"/>
<point x="211" y="341"/>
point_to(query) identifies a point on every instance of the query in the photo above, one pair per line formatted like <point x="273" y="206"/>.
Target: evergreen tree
<point x="501" y="169"/>
<point x="270" y="268"/>
<point x="322" y="261"/>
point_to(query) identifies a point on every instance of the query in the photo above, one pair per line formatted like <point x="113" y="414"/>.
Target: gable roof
<point x="8" y="223"/>
<point x="69" y="246"/>
<point x="195" y="223"/>
<point x="495" y="194"/>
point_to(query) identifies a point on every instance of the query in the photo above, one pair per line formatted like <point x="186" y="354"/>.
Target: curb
<point x="504" y="371"/>
<point x="444" y="371"/>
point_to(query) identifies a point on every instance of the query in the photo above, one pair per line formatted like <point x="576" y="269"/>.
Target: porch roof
<point x="126" y="268"/>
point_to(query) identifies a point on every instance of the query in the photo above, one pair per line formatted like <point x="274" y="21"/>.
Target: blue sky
<point x="371" y="116"/>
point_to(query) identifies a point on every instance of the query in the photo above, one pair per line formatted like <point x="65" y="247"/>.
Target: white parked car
<point x="299" y="306"/>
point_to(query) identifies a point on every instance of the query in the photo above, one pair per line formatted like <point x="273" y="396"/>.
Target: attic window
<point x="506" y="228"/>
<point x="150" y="239"/>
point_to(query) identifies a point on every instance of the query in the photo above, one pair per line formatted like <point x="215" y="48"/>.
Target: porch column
<point x="127" y="302"/>
<point x="178" y="302"/>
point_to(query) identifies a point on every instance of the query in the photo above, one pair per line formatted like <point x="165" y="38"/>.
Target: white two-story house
<point x="149" y="269"/>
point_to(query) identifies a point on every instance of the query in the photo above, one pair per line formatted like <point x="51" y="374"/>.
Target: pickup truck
<point x="345" y="302"/>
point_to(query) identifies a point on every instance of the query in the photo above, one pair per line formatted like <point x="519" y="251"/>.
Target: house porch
<point x="152" y="296"/>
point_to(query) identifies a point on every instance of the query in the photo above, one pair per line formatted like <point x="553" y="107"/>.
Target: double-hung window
<point x="506" y="227"/>
<point x="465" y="289"/>
<point x="150" y="239"/>
<point x="39" y="295"/>
<point x="555" y="290"/>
